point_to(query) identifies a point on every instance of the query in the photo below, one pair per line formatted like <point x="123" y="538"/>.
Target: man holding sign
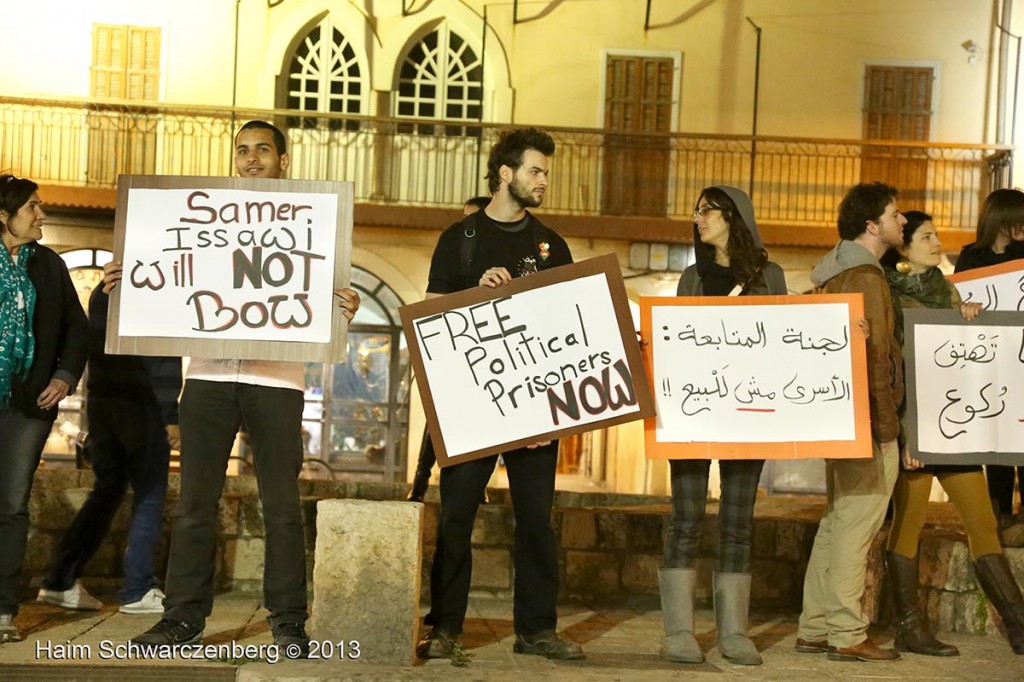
<point x="489" y="248"/>
<point x="219" y="395"/>
<point x="858" y="490"/>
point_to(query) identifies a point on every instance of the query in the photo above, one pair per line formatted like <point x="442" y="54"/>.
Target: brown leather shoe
<point x="809" y="646"/>
<point x="865" y="651"/>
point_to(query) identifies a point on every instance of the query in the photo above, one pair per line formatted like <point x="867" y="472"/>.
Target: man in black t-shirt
<point x="489" y="248"/>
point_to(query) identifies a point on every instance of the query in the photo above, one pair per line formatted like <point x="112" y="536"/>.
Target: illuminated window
<point x="440" y="77"/>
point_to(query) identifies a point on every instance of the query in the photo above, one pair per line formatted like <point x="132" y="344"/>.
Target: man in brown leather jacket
<point x="858" y="490"/>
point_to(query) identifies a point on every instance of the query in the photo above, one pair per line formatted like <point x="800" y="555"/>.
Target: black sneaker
<point x="171" y="632"/>
<point x="438" y="643"/>
<point x="292" y="639"/>
<point x="549" y="645"/>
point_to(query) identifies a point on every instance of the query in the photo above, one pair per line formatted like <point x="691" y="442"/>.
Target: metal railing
<point x="794" y="181"/>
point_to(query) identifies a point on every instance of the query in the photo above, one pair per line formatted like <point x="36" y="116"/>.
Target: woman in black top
<point x="43" y="350"/>
<point x="1000" y="238"/>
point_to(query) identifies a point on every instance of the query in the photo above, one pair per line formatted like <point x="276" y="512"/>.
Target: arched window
<point x="440" y="77"/>
<point x="324" y="76"/>
<point x="356" y="418"/>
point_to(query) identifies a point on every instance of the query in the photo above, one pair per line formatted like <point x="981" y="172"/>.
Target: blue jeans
<point x="128" y="443"/>
<point x="21" y="443"/>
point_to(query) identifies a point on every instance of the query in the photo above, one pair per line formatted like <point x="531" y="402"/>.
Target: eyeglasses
<point x="704" y="210"/>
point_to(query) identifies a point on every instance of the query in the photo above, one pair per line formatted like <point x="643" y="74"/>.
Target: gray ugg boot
<point x="676" y="587"/>
<point x="732" y="605"/>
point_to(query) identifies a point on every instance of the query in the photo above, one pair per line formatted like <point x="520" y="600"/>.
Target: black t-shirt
<point x="521" y="248"/>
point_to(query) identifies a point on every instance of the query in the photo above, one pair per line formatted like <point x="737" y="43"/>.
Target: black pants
<point x="210" y="413"/>
<point x="128" y="443"/>
<point x="531" y="481"/>
<point x="1000" y="486"/>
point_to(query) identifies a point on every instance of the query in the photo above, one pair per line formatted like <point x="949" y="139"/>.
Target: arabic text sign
<point x="544" y="356"/>
<point x="759" y="376"/>
<point x="231" y="267"/>
<point x="965" y="401"/>
<point x="996" y="287"/>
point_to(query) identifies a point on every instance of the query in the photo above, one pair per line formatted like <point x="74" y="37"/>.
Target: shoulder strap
<point x="467" y="248"/>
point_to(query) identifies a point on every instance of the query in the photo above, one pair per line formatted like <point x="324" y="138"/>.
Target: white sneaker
<point x="76" y="598"/>
<point x="151" y="602"/>
<point x="8" y="631"/>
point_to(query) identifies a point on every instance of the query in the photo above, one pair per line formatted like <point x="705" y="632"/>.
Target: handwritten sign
<point x="965" y="381"/>
<point x="756" y="377"/>
<point x="211" y="261"/>
<point x="996" y="287"/>
<point x="545" y="356"/>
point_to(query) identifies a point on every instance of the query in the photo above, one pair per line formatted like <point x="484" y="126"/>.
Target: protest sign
<point x="996" y="287"/>
<point x="231" y="268"/>
<point x="545" y="356"/>
<point x="965" y="387"/>
<point x="756" y="377"/>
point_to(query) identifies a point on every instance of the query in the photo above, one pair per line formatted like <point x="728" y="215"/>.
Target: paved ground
<point x="621" y="643"/>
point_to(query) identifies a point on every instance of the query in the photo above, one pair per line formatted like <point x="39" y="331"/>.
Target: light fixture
<point x="970" y="46"/>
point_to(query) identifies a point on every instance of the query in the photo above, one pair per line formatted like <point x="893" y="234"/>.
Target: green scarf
<point x="929" y="289"/>
<point x="17" y="305"/>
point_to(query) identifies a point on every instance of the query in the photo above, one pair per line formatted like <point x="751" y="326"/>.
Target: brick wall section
<point x="610" y="545"/>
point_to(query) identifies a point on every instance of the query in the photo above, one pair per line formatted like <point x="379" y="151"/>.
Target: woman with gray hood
<point x="731" y="261"/>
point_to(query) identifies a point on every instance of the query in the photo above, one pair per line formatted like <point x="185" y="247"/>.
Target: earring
<point x="903" y="266"/>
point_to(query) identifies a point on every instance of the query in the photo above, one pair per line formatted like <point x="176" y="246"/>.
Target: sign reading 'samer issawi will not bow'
<point x="545" y="356"/>
<point x="231" y="267"/>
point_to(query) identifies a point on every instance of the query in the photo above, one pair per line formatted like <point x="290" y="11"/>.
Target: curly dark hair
<point x="864" y="202"/>
<point x="746" y="259"/>
<point x="508" y="151"/>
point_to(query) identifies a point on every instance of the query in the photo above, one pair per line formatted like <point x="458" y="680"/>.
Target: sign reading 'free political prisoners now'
<point x="545" y="356"/>
<point x="231" y="267"/>
<point x="765" y="377"/>
<point x="965" y="387"/>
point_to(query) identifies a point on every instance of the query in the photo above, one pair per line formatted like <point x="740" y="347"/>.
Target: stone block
<point x="39" y="550"/>
<point x="640" y="573"/>
<point x="105" y="562"/>
<point x="611" y="530"/>
<point x="227" y="514"/>
<point x="493" y="525"/>
<point x="492" y="569"/>
<point x="775" y="581"/>
<point x="59" y="479"/>
<point x="762" y="543"/>
<point x="591" y="573"/>
<point x="250" y="516"/>
<point x="790" y="543"/>
<point x="579" y="529"/>
<point x="646" y="532"/>
<point x="244" y="558"/>
<point x="366" y="577"/>
<point x="55" y="509"/>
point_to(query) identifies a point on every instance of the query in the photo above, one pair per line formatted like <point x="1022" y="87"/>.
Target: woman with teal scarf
<point x="917" y="282"/>
<point x="43" y="350"/>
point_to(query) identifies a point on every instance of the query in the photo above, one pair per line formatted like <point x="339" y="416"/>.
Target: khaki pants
<point x="858" y="494"/>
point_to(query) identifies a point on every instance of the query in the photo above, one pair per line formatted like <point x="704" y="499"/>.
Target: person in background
<point x="43" y="351"/>
<point x="999" y="238"/>
<point x="916" y="282"/>
<point x="731" y="261"/>
<point x="858" y="490"/>
<point x="427" y="458"/>
<point x="133" y="425"/>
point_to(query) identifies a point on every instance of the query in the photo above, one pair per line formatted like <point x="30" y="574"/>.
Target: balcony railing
<point x="794" y="181"/>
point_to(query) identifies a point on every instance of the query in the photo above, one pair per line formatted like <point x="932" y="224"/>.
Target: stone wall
<point x="610" y="545"/>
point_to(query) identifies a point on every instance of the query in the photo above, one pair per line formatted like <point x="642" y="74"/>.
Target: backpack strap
<point x="467" y="248"/>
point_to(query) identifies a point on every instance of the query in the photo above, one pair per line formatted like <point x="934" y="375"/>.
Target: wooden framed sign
<point x="965" y="387"/>
<point x="545" y="356"/>
<point x="996" y="287"/>
<point x="756" y="377"/>
<point x="231" y="268"/>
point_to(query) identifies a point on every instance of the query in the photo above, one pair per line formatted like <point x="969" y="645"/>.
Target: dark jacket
<point x="145" y="380"/>
<point x="60" y="330"/>
<point x="849" y="268"/>
<point x="971" y="256"/>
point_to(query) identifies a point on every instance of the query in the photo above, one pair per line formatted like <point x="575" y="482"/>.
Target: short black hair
<point x="479" y="202"/>
<point x="915" y="219"/>
<point x="508" y="151"/>
<point x="280" y="142"/>
<point x="15" y="193"/>
<point x="864" y="202"/>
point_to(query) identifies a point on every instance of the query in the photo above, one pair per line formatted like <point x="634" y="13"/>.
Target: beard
<point x="522" y="196"/>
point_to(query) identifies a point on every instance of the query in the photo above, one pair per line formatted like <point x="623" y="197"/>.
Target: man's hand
<point x="53" y="394"/>
<point x="173" y="436"/>
<point x="348" y="301"/>
<point x="111" y="275"/>
<point x="970" y="310"/>
<point x="495" y="277"/>
<point x="909" y="463"/>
